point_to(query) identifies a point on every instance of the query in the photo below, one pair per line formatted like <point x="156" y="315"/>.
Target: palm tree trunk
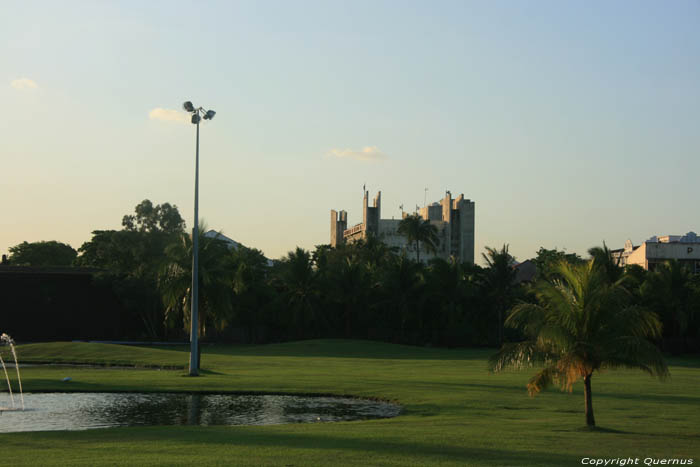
<point x="348" y="325"/>
<point x="590" y="420"/>
<point x="500" y="325"/>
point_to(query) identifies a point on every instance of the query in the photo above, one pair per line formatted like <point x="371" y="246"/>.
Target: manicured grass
<point x="454" y="411"/>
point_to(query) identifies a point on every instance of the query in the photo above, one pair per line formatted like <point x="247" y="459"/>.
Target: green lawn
<point x="454" y="411"/>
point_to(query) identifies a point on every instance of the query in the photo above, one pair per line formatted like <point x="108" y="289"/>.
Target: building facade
<point x="453" y="218"/>
<point x="658" y="249"/>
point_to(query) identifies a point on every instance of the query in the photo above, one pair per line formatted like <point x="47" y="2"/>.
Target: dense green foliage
<point x="159" y="218"/>
<point x="674" y="294"/>
<point x="175" y="281"/>
<point x="362" y="290"/>
<point x="546" y="260"/>
<point x="131" y="260"/>
<point x="454" y="411"/>
<point x="51" y="253"/>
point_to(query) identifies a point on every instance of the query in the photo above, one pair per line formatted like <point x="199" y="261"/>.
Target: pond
<point x="84" y="411"/>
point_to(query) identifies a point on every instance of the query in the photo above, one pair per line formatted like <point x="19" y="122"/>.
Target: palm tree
<point x="582" y="324"/>
<point x="448" y="291"/>
<point x="418" y="230"/>
<point x="299" y="283"/>
<point x="402" y="288"/>
<point x="351" y="287"/>
<point x="373" y="251"/>
<point x="251" y="291"/>
<point x="668" y="291"/>
<point x="499" y="282"/>
<point x="175" y="281"/>
<point x="603" y="258"/>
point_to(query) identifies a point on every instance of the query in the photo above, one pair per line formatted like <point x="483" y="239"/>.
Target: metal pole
<point x="194" y="330"/>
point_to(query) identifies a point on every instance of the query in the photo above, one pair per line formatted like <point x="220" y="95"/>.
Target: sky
<point x="568" y="123"/>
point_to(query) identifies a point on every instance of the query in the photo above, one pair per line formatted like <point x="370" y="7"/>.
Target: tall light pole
<point x="197" y="114"/>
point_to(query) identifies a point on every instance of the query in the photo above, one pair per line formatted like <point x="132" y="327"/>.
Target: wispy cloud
<point x="168" y="115"/>
<point x="368" y="153"/>
<point x="23" y="83"/>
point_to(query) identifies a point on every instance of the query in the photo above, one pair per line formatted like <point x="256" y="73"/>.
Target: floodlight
<point x="197" y="114"/>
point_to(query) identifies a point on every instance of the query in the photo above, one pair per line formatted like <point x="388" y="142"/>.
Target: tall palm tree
<point x="583" y="323"/>
<point x="499" y="281"/>
<point x="418" y="230"/>
<point x="402" y="286"/>
<point x="668" y="291"/>
<point x="351" y="287"/>
<point x="175" y="281"/>
<point x="447" y="294"/>
<point x="299" y="283"/>
<point x="251" y="292"/>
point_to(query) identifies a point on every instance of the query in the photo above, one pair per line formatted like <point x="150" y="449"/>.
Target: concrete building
<point x="453" y="218"/>
<point x="658" y="249"/>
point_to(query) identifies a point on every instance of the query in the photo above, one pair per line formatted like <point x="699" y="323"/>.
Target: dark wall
<point x="43" y="304"/>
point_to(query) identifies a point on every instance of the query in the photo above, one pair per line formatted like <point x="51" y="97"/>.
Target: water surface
<point x="84" y="411"/>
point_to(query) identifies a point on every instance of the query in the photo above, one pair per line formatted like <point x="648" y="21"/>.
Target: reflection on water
<point x="83" y="411"/>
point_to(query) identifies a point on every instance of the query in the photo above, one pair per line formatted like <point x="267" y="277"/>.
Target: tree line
<point x="363" y="290"/>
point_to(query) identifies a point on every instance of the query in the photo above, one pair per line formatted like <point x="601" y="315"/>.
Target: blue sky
<point x="568" y="123"/>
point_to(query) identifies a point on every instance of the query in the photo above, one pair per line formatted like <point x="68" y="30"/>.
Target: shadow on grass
<point x="606" y="430"/>
<point x="341" y="348"/>
<point x="601" y="429"/>
<point x="53" y="385"/>
<point x="290" y="444"/>
<point x="667" y="399"/>
<point x="204" y="372"/>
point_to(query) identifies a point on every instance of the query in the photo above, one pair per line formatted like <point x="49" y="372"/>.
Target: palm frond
<point x="542" y="380"/>
<point x="639" y="353"/>
<point x="518" y="355"/>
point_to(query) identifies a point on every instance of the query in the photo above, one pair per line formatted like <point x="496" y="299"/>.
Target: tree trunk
<point x="500" y="325"/>
<point x="590" y="420"/>
<point x="417" y="252"/>
<point x="348" y="324"/>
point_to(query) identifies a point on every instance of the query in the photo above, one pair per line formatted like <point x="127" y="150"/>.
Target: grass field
<point x="454" y="411"/>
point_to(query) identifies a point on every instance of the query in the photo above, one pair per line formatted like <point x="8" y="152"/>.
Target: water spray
<point x="5" y="339"/>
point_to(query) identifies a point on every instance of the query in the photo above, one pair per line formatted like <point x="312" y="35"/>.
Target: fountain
<point x="7" y="340"/>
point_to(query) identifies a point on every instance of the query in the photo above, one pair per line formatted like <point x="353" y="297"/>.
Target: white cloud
<point x="368" y="153"/>
<point x="168" y="115"/>
<point x="23" y="83"/>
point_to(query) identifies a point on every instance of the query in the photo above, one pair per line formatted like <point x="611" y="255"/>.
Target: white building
<point x="656" y="250"/>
